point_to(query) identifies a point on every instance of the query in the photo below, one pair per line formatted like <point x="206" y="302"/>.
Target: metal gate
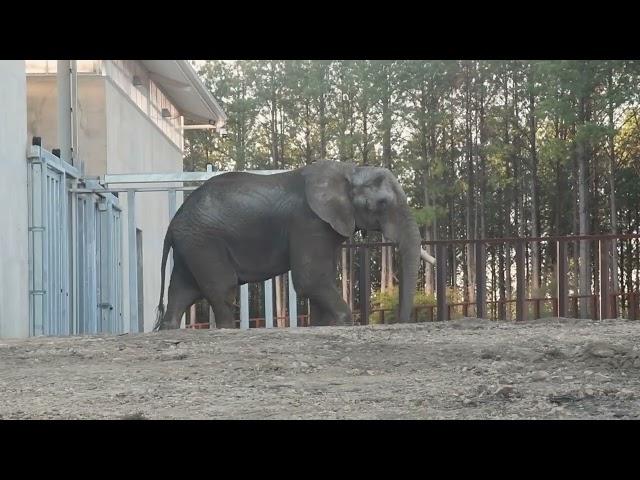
<point x="99" y="258"/>
<point x="75" y="252"/>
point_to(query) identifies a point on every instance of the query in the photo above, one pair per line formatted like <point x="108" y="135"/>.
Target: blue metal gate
<point x="75" y="252"/>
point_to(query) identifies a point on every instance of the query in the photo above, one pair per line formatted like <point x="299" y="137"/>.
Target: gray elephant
<point x="241" y="227"/>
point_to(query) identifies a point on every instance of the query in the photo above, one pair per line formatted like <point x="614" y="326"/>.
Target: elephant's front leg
<point x="313" y="270"/>
<point x="318" y="318"/>
<point x="328" y="307"/>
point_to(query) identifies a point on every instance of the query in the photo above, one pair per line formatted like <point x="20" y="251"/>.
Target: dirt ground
<point x="463" y="369"/>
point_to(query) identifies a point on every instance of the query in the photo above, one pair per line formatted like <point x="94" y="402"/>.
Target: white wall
<point x="14" y="255"/>
<point x="136" y="145"/>
<point x="42" y="117"/>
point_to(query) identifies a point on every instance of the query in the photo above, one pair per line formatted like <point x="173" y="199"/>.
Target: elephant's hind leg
<point x="217" y="280"/>
<point x="183" y="292"/>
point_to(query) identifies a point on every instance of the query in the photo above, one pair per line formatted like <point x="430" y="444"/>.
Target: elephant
<point x="242" y="227"/>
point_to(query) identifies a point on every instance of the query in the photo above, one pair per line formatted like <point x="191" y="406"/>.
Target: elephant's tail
<point x="165" y="253"/>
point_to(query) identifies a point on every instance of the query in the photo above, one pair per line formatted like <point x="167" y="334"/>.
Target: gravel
<point x="462" y="369"/>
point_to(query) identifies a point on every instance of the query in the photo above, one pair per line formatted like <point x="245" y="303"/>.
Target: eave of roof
<point x="180" y="82"/>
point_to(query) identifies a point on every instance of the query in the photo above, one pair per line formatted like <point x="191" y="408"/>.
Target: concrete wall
<point x="42" y="115"/>
<point x="14" y="254"/>
<point x="136" y="145"/>
<point x="115" y="135"/>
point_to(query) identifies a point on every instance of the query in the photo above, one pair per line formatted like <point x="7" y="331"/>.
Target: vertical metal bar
<point x="111" y="266"/>
<point x="90" y="318"/>
<point x="30" y="225"/>
<point x="441" y="285"/>
<point x="365" y="287"/>
<point x="172" y="212"/>
<point x="244" y="306"/>
<point x="74" y="260"/>
<point x="212" y="318"/>
<point x="293" y="304"/>
<point x="67" y="316"/>
<point x="268" y="303"/>
<point x="521" y="305"/>
<point x="604" y="279"/>
<point x="133" y="262"/>
<point x="561" y="278"/>
<point x="46" y="313"/>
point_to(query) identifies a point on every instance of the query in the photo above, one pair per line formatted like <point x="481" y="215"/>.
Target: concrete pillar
<point x="14" y="240"/>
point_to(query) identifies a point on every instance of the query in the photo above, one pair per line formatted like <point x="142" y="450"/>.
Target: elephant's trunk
<point x="405" y="232"/>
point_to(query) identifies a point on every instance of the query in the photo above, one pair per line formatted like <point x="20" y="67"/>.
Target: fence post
<point x="212" y="318"/>
<point x="244" y="306"/>
<point x="293" y="304"/>
<point x="561" y="278"/>
<point x="172" y="211"/>
<point x="133" y="262"/>
<point x="521" y="306"/>
<point x="603" y="245"/>
<point x="481" y="280"/>
<point x="268" y="303"/>
<point x="441" y="273"/>
<point x="364" y="285"/>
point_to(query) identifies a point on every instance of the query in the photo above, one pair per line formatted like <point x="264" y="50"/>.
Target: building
<point x="105" y="117"/>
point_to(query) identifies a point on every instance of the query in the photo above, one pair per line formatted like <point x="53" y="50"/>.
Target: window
<point x="50" y="67"/>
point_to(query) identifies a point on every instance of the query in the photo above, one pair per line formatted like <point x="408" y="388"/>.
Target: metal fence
<point x="76" y="276"/>
<point x="466" y="282"/>
<point x="75" y="251"/>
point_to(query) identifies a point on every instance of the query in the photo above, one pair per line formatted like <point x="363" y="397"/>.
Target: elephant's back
<point x="231" y="204"/>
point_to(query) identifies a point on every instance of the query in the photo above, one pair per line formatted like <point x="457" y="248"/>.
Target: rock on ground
<point x="463" y="369"/>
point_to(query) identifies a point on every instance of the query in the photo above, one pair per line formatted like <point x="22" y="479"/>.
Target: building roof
<point x="180" y="82"/>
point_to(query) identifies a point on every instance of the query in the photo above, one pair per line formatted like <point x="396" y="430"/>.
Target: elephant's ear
<point x="328" y="191"/>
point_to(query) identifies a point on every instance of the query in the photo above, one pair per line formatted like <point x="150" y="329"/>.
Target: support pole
<point x="65" y="133"/>
<point x="364" y="285"/>
<point x="293" y="304"/>
<point x="133" y="263"/>
<point x="481" y="280"/>
<point x="172" y="211"/>
<point x="605" y="311"/>
<point x="521" y="305"/>
<point x="268" y="303"/>
<point x="441" y="285"/>
<point x="244" y="306"/>
<point x="561" y="278"/>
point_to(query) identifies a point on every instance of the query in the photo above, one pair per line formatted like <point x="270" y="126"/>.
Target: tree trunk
<point x="322" y="114"/>
<point x="612" y="188"/>
<point x="469" y="257"/>
<point x="535" y="220"/>
<point x="583" y="212"/>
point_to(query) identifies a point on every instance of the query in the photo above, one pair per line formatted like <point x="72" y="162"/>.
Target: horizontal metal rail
<point x="175" y="177"/>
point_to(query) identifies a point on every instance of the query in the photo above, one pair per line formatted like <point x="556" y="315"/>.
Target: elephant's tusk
<point x="426" y="257"/>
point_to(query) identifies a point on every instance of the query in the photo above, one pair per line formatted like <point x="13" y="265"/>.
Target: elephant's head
<point x="367" y="198"/>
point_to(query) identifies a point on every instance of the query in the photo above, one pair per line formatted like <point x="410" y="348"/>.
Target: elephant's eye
<point x="381" y="204"/>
